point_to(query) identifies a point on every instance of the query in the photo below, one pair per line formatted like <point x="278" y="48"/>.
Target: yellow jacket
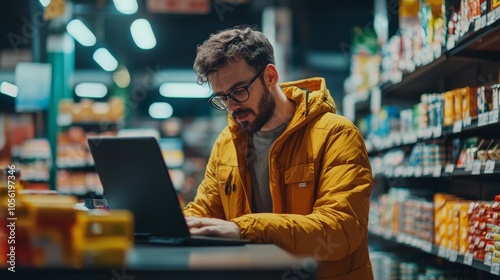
<point x="320" y="183"/>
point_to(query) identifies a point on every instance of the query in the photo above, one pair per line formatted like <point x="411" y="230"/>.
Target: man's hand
<point x="212" y="227"/>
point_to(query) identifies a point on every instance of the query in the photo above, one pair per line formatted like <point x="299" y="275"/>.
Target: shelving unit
<point x="75" y="171"/>
<point x="442" y="252"/>
<point x="473" y="61"/>
<point x="476" y="55"/>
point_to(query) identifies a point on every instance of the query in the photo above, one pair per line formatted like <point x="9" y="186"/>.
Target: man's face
<point x="254" y="113"/>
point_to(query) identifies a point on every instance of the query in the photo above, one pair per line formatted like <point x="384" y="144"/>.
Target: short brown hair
<point x="241" y="42"/>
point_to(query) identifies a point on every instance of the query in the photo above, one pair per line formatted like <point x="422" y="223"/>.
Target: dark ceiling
<point x="319" y="27"/>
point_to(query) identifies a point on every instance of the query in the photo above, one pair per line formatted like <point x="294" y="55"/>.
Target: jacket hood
<point x="311" y="97"/>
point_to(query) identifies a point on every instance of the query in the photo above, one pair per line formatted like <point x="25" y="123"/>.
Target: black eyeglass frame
<point x="223" y="97"/>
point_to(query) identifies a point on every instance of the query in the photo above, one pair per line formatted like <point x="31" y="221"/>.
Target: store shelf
<point x="487" y="122"/>
<point x="428" y="247"/>
<point x="81" y="168"/>
<point x="480" y="48"/>
<point x="450" y="170"/>
<point x="102" y="126"/>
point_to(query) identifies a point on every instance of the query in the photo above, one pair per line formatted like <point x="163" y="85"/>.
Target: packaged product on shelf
<point x="443" y="219"/>
<point x="456" y="148"/>
<point x="439" y="27"/>
<point x="495" y="96"/>
<point x="484" y="148"/>
<point x="453" y="19"/>
<point x="494" y="150"/>
<point x="494" y="4"/>
<point x="484" y="219"/>
<point x="433" y="108"/>
<point x="469" y="102"/>
<point x="408" y="13"/>
<point x="470" y="10"/>
<point x="448" y="108"/>
<point x="457" y="101"/>
<point x="484" y="99"/>
<point x="438" y="110"/>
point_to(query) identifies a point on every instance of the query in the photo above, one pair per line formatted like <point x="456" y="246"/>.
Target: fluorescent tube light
<point x="127" y="7"/>
<point x="104" y="58"/>
<point x="81" y="33"/>
<point x="184" y="90"/>
<point x="142" y="33"/>
<point x="9" y="89"/>
<point x="161" y="110"/>
<point x="91" y="90"/>
<point x="45" y="3"/>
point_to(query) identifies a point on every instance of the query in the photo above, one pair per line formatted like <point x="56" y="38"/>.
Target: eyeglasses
<point x="239" y="94"/>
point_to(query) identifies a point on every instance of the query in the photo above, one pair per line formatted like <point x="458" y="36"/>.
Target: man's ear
<point x="271" y="75"/>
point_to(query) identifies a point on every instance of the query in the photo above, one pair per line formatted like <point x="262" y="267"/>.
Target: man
<point x="286" y="170"/>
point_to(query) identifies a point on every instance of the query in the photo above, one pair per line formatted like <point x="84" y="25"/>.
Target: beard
<point x="266" y="108"/>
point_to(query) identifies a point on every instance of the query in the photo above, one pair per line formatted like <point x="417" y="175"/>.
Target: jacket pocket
<point x="300" y="189"/>
<point x="226" y="186"/>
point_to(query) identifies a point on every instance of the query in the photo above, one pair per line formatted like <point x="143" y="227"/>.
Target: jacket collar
<point x="312" y="99"/>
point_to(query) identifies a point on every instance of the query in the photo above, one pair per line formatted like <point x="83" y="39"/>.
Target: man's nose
<point x="232" y="105"/>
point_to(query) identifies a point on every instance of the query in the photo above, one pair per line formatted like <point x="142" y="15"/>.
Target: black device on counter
<point x="135" y="177"/>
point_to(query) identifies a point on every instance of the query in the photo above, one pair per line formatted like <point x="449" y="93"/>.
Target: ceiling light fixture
<point x="161" y="110"/>
<point x="142" y="33"/>
<point x="127" y="7"/>
<point x="45" y="3"/>
<point x="104" y="58"/>
<point x="183" y="90"/>
<point x="91" y="90"/>
<point x="78" y="30"/>
<point x="9" y="89"/>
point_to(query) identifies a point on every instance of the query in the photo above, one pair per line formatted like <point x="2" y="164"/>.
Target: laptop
<point x="135" y="177"/>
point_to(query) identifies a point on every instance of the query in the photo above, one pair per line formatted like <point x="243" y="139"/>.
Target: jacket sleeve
<point x="207" y="202"/>
<point x="339" y="219"/>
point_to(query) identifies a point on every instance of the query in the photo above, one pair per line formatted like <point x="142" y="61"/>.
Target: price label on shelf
<point x="468" y="165"/>
<point x="400" y="238"/>
<point x="489" y="168"/>
<point x="428" y="170"/>
<point x="491" y="18"/>
<point x="409" y="171"/>
<point x="396" y="139"/>
<point x="453" y="256"/>
<point x="427" y="247"/>
<point x="437" y="171"/>
<point x="477" y="24"/>
<point x="476" y="167"/>
<point x="495" y="269"/>
<point x="468" y="259"/>
<point x="428" y="132"/>
<point x="457" y="127"/>
<point x="487" y="259"/>
<point x="467" y="121"/>
<point x="441" y="252"/>
<point x="418" y="171"/>
<point x="438" y="130"/>
<point x="450" y="167"/>
<point x="483" y="119"/>
<point x="493" y="117"/>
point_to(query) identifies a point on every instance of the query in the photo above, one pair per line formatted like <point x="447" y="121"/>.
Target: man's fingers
<point x="206" y="230"/>
<point x="199" y="222"/>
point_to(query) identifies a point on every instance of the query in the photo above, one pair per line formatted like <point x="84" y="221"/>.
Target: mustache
<point x="241" y="112"/>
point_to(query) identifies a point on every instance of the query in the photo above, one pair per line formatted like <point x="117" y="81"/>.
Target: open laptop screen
<point x="135" y="177"/>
